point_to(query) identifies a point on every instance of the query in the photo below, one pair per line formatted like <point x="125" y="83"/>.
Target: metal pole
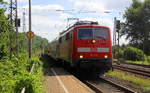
<point x="10" y="34"/>
<point x="17" y="43"/>
<point x="30" y="29"/>
<point x="24" y="21"/>
<point x="114" y="37"/>
<point x="118" y="37"/>
<point x="114" y="33"/>
<point x="118" y="44"/>
<point x="24" y="26"/>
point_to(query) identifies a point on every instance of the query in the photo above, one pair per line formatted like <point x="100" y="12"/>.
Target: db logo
<point x="93" y="49"/>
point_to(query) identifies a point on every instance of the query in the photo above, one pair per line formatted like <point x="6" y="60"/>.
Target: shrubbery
<point x="131" y="53"/>
<point x="120" y="53"/>
<point x="14" y="75"/>
<point x="148" y="59"/>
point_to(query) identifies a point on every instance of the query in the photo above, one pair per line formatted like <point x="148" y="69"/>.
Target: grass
<point x="139" y="62"/>
<point x="114" y="60"/>
<point x="136" y="62"/>
<point x="143" y="83"/>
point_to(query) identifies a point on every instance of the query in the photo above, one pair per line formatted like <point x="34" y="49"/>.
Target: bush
<point x="14" y="75"/>
<point x="134" y="54"/>
<point x="120" y="53"/>
<point x="148" y="59"/>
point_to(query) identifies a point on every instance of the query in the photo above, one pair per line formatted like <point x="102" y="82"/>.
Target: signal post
<point x="30" y="34"/>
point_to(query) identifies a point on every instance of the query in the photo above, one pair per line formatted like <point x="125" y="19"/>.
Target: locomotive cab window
<point x="100" y="33"/>
<point x="93" y="33"/>
<point x="85" y="33"/>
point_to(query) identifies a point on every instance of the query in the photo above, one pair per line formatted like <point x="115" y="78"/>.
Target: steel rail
<point x="144" y="71"/>
<point x="93" y="87"/>
<point x="142" y="65"/>
<point x="133" y="70"/>
<point x="123" y="88"/>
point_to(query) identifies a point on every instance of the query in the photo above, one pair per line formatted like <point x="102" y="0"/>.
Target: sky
<point x="48" y="21"/>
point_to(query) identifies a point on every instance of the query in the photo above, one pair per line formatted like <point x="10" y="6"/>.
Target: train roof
<point x="85" y="23"/>
<point x="81" y="23"/>
<point x="78" y="23"/>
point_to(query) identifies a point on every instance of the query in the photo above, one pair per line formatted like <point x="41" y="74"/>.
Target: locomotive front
<point x="92" y="47"/>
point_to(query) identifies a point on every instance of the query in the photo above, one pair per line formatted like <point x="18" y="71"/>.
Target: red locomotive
<point x="84" y="45"/>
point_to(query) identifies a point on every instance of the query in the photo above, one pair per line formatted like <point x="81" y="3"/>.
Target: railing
<point x="32" y="68"/>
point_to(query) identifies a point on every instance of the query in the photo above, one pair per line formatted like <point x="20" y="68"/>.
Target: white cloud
<point x="89" y="6"/>
<point x="23" y="1"/>
<point x="20" y="1"/>
<point x="47" y="7"/>
<point x="48" y="22"/>
<point x="100" y="6"/>
<point x="49" y="30"/>
<point x="47" y="10"/>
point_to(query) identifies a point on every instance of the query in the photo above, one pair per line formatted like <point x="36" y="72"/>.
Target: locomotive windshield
<point x="93" y="33"/>
<point x="85" y="33"/>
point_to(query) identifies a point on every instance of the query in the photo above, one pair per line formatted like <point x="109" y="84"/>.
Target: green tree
<point x="38" y="43"/>
<point x="137" y="25"/>
<point x="1" y="1"/>
<point x="7" y="34"/>
<point x="4" y="33"/>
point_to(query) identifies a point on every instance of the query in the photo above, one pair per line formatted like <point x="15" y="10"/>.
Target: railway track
<point x="133" y="70"/>
<point x="122" y="88"/>
<point x="142" y="65"/>
<point x="108" y="86"/>
<point x="111" y="87"/>
<point x="93" y="87"/>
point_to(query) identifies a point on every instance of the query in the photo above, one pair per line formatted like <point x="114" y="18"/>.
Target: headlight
<point x="81" y="56"/>
<point x="93" y="41"/>
<point x="105" y="56"/>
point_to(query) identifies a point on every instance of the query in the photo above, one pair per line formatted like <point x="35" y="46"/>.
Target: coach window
<point x="63" y="38"/>
<point x="60" y="39"/>
<point x="70" y="35"/>
<point x="67" y="36"/>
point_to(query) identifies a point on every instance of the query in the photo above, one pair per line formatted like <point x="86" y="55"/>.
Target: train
<point x="84" y="45"/>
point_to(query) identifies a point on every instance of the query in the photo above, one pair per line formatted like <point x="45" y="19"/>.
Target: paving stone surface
<point x="59" y="81"/>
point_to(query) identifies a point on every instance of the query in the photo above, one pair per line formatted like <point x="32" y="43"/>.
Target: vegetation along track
<point x="133" y="70"/>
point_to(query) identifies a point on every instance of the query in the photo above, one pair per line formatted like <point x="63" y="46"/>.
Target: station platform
<point x="59" y="81"/>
